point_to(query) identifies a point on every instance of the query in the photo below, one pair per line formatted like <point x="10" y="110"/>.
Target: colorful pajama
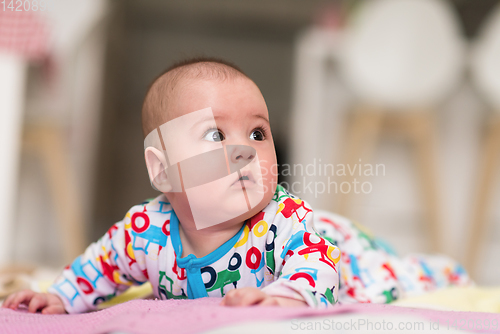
<point x="278" y="250"/>
<point x="370" y="272"/>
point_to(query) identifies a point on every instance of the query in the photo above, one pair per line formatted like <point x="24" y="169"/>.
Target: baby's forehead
<point x="194" y="94"/>
<point x="216" y="74"/>
<point x="175" y="87"/>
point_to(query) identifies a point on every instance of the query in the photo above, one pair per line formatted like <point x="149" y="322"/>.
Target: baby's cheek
<point x="269" y="177"/>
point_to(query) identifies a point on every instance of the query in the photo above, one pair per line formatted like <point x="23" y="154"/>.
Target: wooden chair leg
<point x="48" y="143"/>
<point x="489" y="166"/>
<point x="362" y="138"/>
<point x="422" y="126"/>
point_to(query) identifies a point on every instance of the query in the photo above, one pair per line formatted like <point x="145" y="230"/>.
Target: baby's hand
<point x="45" y="302"/>
<point x="253" y="296"/>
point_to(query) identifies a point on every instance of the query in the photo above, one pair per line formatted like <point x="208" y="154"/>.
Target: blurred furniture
<point x="318" y="104"/>
<point x="485" y="67"/>
<point x="61" y="126"/>
<point x="401" y="58"/>
<point x="49" y="145"/>
<point x="55" y="116"/>
<point x="12" y="82"/>
<point x="23" y="39"/>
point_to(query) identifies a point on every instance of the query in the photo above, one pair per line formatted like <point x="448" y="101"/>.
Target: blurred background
<point x="410" y="85"/>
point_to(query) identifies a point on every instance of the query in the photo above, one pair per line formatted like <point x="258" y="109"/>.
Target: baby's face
<point x="220" y="137"/>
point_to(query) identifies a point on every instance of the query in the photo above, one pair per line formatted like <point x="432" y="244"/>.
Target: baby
<point x="222" y="226"/>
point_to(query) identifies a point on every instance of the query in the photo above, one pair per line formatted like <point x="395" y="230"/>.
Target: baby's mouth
<point x="244" y="179"/>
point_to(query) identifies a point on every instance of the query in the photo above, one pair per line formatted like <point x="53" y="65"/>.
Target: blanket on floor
<point x="205" y="314"/>
<point x="473" y="298"/>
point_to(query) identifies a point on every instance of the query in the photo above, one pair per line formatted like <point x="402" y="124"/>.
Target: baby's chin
<point x="214" y="215"/>
<point x="250" y="213"/>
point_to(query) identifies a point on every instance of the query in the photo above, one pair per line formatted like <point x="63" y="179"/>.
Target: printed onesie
<point x="277" y="250"/>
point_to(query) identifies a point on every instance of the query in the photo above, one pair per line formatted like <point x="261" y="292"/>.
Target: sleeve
<point x="106" y="268"/>
<point x="305" y="263"/>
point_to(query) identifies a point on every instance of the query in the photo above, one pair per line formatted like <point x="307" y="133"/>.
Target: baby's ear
<point x="156" y="164"/>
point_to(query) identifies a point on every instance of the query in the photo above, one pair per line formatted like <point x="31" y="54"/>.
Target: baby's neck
<point x="203" y="242"/>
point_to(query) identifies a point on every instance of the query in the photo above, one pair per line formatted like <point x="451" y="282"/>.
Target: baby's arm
<point x="93" y="276"/>
<point x="106" y="268"/>
<point x="312" y="278"/>
<point x="47" y="303"/>
<point x="305" y="265"/>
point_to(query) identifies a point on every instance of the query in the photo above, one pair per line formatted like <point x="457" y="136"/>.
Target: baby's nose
<point x="239" y="156"/>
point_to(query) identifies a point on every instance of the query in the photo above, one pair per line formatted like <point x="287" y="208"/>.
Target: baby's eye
<point x="257" y="135"/>
<point x="213" y="135"/>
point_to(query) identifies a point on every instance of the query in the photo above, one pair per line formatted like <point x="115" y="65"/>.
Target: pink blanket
<point x="194" y="316"/>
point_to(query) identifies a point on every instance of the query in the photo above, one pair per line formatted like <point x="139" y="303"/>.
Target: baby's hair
<point x="161" y="90"/>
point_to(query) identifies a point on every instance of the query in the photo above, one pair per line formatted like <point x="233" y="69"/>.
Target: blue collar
<point x="191" y="260"/>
